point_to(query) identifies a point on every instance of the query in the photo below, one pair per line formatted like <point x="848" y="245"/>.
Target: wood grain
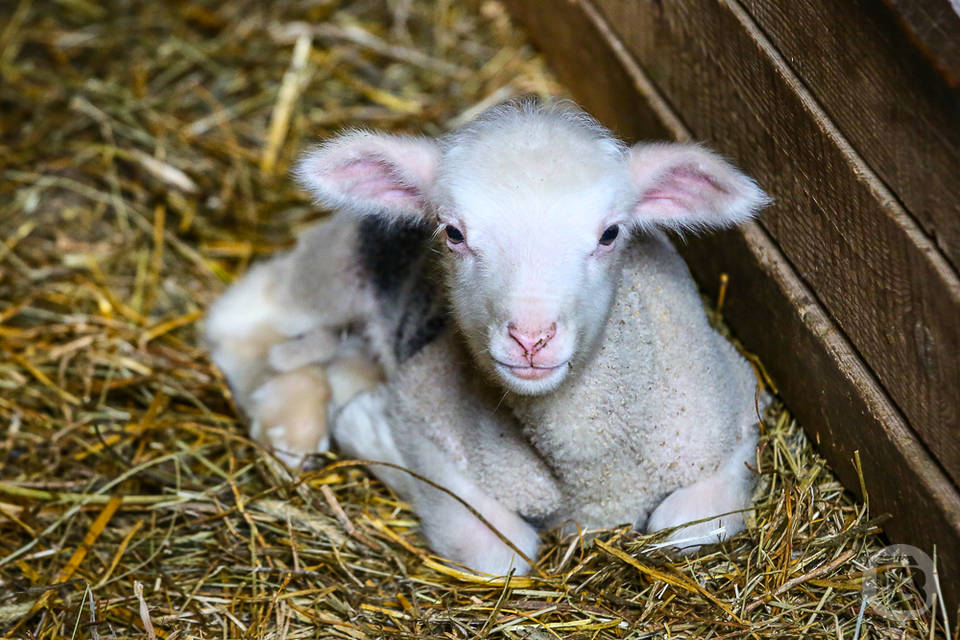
<point x="897" y="112"/>
<point x="935" y="27"/>
<point x="823" y="379"/>
<point x="875" y="271"/>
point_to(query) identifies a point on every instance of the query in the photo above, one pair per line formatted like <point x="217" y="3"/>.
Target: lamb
<point x="500" y="311"/>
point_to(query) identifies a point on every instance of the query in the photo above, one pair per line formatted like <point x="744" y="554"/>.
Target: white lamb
<point x="499" y="311"/>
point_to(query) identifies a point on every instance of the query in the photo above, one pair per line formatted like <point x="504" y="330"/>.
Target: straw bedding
<point x="144" y="149"/>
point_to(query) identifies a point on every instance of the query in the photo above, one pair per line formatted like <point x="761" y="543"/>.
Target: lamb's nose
<point x="532" y="341"/>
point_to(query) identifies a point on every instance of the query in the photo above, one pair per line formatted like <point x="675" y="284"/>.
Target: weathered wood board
<point x="896" y="111"/>
<point x="821" y="373"/>
<point x="933" y="26"/>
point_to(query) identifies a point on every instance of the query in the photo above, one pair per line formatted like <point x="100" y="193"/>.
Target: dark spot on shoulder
<point x="398" y="261"/>
<point x="417" y="329"/>
<point x="390" y="253"/>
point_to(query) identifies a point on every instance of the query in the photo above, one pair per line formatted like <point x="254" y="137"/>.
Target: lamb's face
<point x="534" y="222"/>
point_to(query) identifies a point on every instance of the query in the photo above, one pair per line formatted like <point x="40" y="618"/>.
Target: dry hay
<point x="144" y="149"/>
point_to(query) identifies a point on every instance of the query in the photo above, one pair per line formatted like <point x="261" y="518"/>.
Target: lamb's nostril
<point x="532" y="341"/>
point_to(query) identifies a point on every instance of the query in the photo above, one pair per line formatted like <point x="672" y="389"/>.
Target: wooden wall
<point x="848" y="286"/>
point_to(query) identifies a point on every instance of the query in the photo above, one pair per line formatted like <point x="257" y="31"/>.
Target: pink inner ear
<point x="682" y="190"/>
<point x="374" y="179"/>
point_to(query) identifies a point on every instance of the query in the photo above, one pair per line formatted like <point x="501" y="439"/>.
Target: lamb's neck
<point x="575" y="422"/>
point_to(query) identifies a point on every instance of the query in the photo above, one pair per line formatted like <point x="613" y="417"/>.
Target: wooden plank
<point x="825" y="383"/>
<point x="876" y="273"/>
<point x="895" y="110"/>
<point x="934" y="26"/>
<point x="804" y="353"/>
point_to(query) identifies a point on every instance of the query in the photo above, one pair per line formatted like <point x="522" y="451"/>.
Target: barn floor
<point x="144" y="149"/>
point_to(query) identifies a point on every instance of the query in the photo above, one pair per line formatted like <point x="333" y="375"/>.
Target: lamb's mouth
<point x="534" y="372"/>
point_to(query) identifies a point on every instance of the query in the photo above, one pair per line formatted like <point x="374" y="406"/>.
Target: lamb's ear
<point x="372" y="173"/>
<point x="684" y="186"/>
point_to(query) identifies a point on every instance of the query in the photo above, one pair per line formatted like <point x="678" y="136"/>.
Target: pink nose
<point x="532" y="341"/>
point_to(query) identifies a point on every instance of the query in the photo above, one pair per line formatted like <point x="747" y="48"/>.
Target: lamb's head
<point x="534" y="206"/>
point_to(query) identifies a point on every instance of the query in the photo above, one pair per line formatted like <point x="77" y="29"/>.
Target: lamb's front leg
<point x="728" y="490"/>
<point x="363" y="430"/>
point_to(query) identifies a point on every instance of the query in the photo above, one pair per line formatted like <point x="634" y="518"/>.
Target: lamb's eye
<point x="609" y="235"/>
<point x="454" y="235"/>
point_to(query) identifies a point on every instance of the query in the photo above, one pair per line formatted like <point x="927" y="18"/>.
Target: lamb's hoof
<point x="290" y="414"/>
<point x="688" y="505"/>
<point x="489" y="555"/>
